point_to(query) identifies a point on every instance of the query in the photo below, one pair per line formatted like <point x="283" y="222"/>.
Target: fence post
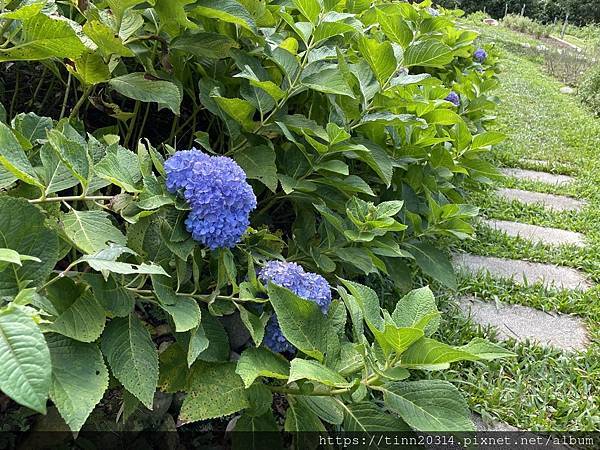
<point x="564" y="28"/>
<point x="523" y="10"/>
<point x="506" y="10"/>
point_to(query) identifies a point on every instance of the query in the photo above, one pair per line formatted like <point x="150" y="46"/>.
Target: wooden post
<point x="506" y="10"/>
<point x="564" y="28"/>
<point x="523" y="10"/>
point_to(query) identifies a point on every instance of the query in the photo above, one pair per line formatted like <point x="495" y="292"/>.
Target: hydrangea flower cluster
<point x="453" y="98"/>
<point x="480" y="55"/>
<point x="216" y="189"/>
<point x="310" y="286"/>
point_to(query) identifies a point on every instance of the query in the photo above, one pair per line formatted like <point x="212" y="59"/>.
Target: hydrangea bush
<point x="295" y="151"/>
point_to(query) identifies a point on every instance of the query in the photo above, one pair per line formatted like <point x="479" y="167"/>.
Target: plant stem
<point x="15" y="93"/>
<point x="132" y="122"/>
<point x="86" y="93"/>
<point x="66" y="98"/>
<point x="71" y="198"/>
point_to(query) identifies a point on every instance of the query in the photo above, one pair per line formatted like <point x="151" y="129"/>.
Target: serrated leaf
<point x="300" y="418"/>
<point x="312" y="370"/>
<point x="327" y="408"/>
<point x="226" y="10"/>
<point x="301" y="321"/>
<point x="261" y="362"/>
<point x="102" y="35"/>
<point x="113" y="297"/>
<point x="259" y="164"/>
<point x="365" y="417"/>
<point x="173" y="16"/>
<point x="239" y="110"/>
<point x="309" y="9"/>
<point x="121" y="167"/>
<point x="380" y="56"/>
<point x="395" y="28"/>
<point x="428" y="53"/>
<point x="185" y="313"/>
<point x="132" y="357"/>
<point x="56" y="176"/>
<point x="145" y="88"/>
<point x="14" y="159"/>
<point x="90" y="69"/>
<point x="91" y="231"/>
<point x="22" y="229"/>
<point x="428" y="405"/>
<point x="329" y="81"/>
<point x="79" y="378"/>
<point x="434" y="263"/>
<point x="83" y="320"/>
<point x="25" y="366"/>
<point x="413" y="307"/>
<point x="215" y="390"/>
<point x="73" y="154"/>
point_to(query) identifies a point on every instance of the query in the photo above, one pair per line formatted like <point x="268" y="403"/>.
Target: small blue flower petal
<point x="480" y="55"/>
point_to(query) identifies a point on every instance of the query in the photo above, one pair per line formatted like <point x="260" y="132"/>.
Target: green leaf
<point x="415" y="306"/>
<point x="256" y="433"/>
<point x="83" y="320"/>
<point x="259" y="164"/>
<point x="31" y="126"/>
<point x="380" y="56"/>
<point x="215" y="390"/>
<point x="185" y="313"/>
<point x="218" y="348"/>
<point x="443" y="117"/>
<point x="299" y="418"/>
<point x="395" y="28"/>
<point x="103" y="262"/>
<point x="198" y="343"/>
<point x="486" y="139"/>
<point x="14" y="159"/>
<point x="43" y="37"/>
<point x="25" y="366"/>
<point x="90" y="231"/>
<point x="401" y="338"/>
<point x="329" y="81"/>
<point x="57" y="177"/>
<point x="205" y="45"/>
<point x="120" y="7"/>
<point x="90" y="69"/>
<point x="226" y="10"/>
<point x="428" y="405"/>
<point x="132" y="357"/>
<point x="113" y="297"/>
<point x="365" y="417"/>
<point x="121" y="167"/>
<point x="434" y="263"/>
<point x="255" y="324"/>
<point x="430" y="354"/>
<point x="429" y="53"/>
<point x="327" y="408"/>
<point x="268" y="86"/>
<point x="22" y="229"/>
<point x="146" y="88"/>
<point x="103" y="36"/>
<point x="73" y="154"/>
<point x="79" y="378"/>
<point x="309" y="9"/>
<point x="312" y="370"/>
<point x="239" y="110"/>
<point x="261" y="362"/>
<point x="301" y="321"/>
<point x="9" y="256"/>
<point x="173" y="16"/>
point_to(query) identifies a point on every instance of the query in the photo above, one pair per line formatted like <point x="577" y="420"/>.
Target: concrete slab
<point x="534" y="175"/>
<point x="523" y="323"/>
<point x="536" y="234"/>
<point x="549" y="201"/>
<point x="524" y="272"/>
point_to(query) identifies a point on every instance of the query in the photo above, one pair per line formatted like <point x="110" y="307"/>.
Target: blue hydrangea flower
<point x="432" y="11"/>
<point x="480" y="55"/>
<point x="217" y="191"/>
<point x="310" y="286"/>
<point x="453" y="98"/>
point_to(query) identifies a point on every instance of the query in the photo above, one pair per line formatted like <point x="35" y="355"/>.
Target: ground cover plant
<point x="334" y="143"/>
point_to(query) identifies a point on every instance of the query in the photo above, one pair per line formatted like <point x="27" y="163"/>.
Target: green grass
<point x="540" y="389"/>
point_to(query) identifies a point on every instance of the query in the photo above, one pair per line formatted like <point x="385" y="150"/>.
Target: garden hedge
<point x="335" y="142"/>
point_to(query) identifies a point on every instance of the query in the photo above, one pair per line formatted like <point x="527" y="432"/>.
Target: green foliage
<point x="589" y="89"/>
<point x="338" y="114"/>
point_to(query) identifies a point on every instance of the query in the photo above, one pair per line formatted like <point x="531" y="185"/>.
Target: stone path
<point x="523" y="272"/>
<point x="549" y="201"/>
<point x="534" y="175"/>
<point x="522" y="323"/>
<point x="542" y="235"/>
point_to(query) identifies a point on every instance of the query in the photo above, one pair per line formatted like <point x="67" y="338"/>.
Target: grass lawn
<point x="541" y="389"/>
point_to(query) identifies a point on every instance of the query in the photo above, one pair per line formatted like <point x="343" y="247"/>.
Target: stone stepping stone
<point x="534" y="175"/>
<point x="522" y="272"/>
<point x="536" y="234"/>
<point x="523" y="323"/>
<point x="549" y="201"/>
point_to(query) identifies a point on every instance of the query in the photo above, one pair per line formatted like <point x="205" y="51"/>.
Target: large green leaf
<point x="428" y="53"/>
<point x="301" y="321"/>
<point x="259" y="164"/>
<point x="14" y="159"/>
<point x="73" y="154"/>
<point x="261" y="362"/>
<point x="173" y="16"/>
<point x="121" y="167"/>
<point x="312" y="370"/>
<point x="395" y="28"/>
<point x="57" y="177"/>
<point x="413" y="307"/>
<point x="329" y="81"/>
<point x="225" y="10"/>
<point x="91" y="231"/>
<point x="434" y="263"/>
<point x="22" y="230"/>
<point x="83" y="320"/>
<point x="428" y="405"/>
<point x="132" y="357"/>
<point x="43" y="37"/>
<point x="24" y="360"/>
<point x="239" y="110"/>
<point x="103" y="36"/>
<point x="215" y="390"/>
<point x="380" y="56"/>
<point x="365" y="417"/>
<point x="79" y="378"/>
<point x="147" y="88"/>
<point x="309" y="9"/>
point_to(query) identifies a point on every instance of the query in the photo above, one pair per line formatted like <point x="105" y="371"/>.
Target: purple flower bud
<point x="453" y="98"/>
<point x="480" y="55"/>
